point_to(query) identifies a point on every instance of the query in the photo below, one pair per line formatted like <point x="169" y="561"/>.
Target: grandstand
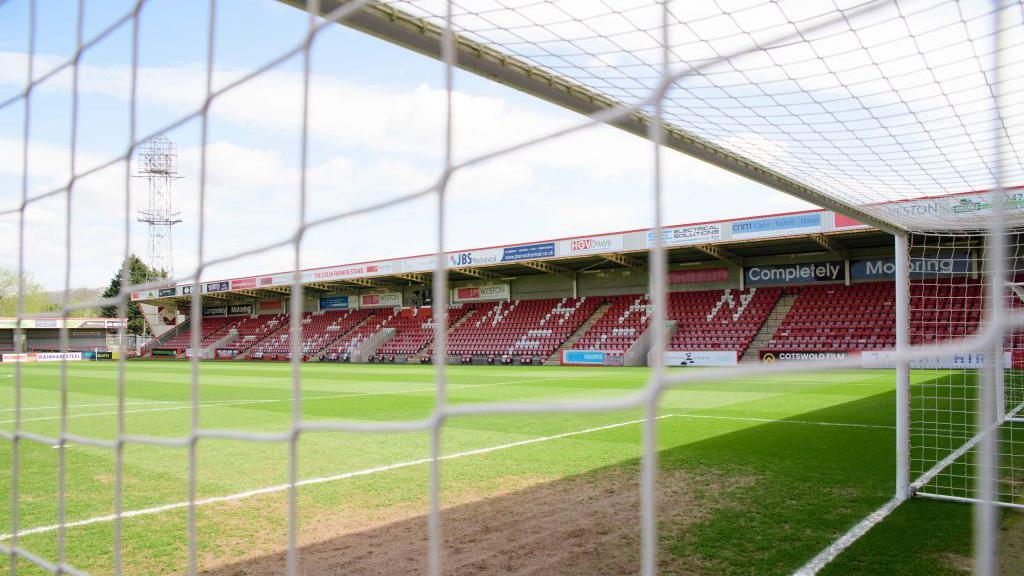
<point x="815" y="291"/>
<point x="85" y="336"/>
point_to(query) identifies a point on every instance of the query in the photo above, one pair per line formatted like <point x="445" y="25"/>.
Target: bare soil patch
<point x="1011" y="546"/>
<point x="1011" y="549"/>
<point x="587" y="524"/>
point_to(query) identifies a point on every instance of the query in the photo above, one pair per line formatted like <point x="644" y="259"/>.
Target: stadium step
<point x="556" y="358"/>
<point x="767" y="331"/>
<point x="372" y="343"/>
<point x="224" y="336"/>
<point x="169" y="335"/>
<point x="462" y="320"/>
<point x="283" y="324"/>
<point x="315" y="357"/>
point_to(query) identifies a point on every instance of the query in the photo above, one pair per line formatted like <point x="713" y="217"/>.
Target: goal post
<point x="902" y="272"/>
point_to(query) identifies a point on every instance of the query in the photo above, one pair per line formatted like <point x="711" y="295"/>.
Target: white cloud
<point x="368" y="143"/>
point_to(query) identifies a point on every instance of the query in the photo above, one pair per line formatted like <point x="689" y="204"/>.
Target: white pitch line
<point x="313" y="481"/>
<point x="215" y="403"/>
<point x="814" y="565"/>
<point x="834" y="549"/>
<point x="785" y="421"/>
<point x="24" y="408"/>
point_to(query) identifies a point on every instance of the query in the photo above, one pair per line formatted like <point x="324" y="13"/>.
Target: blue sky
<point x="377" y="128"/>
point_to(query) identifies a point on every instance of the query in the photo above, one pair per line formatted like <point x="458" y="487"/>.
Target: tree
<point x="35" y="298"/>
<point x="138" y="273"/>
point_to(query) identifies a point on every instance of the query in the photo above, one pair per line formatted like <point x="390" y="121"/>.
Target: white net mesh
<point x="947" y="306"/>
<point x="867" y="104"/>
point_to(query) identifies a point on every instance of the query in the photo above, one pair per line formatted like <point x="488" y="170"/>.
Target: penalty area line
<point x="314" y="481"/>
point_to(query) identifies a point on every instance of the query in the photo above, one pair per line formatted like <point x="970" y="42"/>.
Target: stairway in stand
<point x="429" y="346"/>
<point x="320" y="353"/>
<point x="556" y="358"/>
<point x="768" y="329"/>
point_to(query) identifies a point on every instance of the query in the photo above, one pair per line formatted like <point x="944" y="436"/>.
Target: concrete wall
<point x="624" y="281"/>
<point x="613" y="281"/>
<point x="542" y="286"/>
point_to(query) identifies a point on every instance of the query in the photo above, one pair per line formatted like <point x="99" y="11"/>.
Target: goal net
<point x="951" y="304"/>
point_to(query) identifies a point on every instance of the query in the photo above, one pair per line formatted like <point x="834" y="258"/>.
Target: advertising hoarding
<point x="943" y="264"/>
<point x="498" y="255"/>
<point x="833" y="271"/>
<point x="334" y="303"/>
<point x="243" y="284"/>
<point x="382" y="300"/>
<point x="701" y="357"/>
<point x="70" y="323"/>
<point x="688" y="235"/>
<point x="772" y="357"/>
<point x="777" y="226"/>
<point x="41" y="357"/>
<point x="240" y="309"/>
<point x="58" y="356"/>
<point x="592" y="245"/>
<point x="584" y="357"/>
<point x="355" y="271"/>
<point x="481" y="293"/>
<point x="843" y="222"/>
<point x="948" y="361"/>
<point x="222" y="286"/>
<point x="528" y="252"/>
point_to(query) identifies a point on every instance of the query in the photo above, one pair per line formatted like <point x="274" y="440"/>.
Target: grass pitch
<point x="756" y="476"/>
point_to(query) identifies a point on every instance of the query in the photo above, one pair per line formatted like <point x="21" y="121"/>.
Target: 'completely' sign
<point x="795" y="273"/>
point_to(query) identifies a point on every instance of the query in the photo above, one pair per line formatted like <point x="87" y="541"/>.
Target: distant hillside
<point x="77" y="296"/>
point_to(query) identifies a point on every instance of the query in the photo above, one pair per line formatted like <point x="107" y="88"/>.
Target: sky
<point x="376" y="132"/>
